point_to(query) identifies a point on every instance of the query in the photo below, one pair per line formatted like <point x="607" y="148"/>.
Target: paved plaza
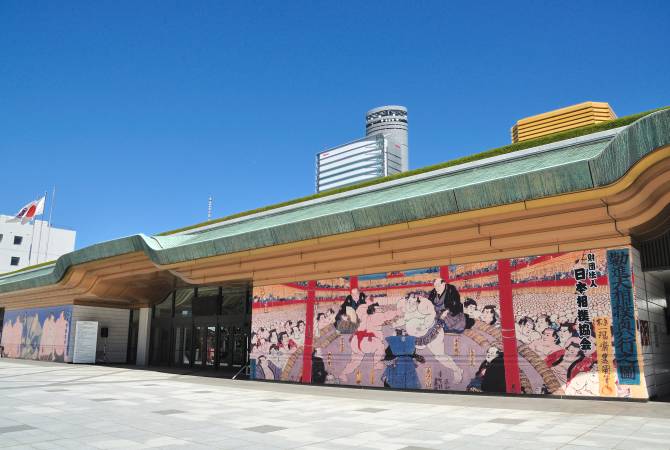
<point x="45" y="405"/>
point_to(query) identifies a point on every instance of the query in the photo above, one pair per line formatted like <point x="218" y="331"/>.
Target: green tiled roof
<point x="570" y="166"/>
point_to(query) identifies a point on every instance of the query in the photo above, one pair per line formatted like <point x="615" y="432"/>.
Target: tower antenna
<point x="210" y="201"/>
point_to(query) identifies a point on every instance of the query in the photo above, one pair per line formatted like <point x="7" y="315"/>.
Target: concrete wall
<point x="651" y="303"/>
<point x="114" y="319"/>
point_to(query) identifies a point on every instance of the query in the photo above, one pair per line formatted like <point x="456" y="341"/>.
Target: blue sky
<point x="137" y="111"/>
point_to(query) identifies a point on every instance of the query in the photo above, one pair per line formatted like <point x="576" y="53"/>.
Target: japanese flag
<point x="30" y="211"/>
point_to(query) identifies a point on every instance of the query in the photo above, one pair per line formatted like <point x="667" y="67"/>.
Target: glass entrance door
<point x="204" y="346"/>
<point x="210" y="346"/>
<point x="182" y="347"/>
<point x="198" y="345"/>
<point x="233" y="345"/>
<point x="240" y="348"/>
<point x="224" y="348"/>
<point x="160" y="344"/>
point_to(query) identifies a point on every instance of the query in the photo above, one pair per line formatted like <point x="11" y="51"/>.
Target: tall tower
<point x="391" y="121"/>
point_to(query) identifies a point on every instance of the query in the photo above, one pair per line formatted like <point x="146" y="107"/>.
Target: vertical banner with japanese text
<point x="605" y="357"/>
<point x="623" y="315"/>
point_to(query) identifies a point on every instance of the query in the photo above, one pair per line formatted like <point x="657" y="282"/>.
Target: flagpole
<point x="39" y="240"/>
<point x="51" y="210"/>
<point x="32" y="240"/>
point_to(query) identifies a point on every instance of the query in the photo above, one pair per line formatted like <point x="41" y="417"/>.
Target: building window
<point x="15" y="261"/>
<point x="18" y="240"/>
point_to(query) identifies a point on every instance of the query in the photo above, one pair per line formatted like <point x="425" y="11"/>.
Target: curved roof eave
<point x="610" y="162"/>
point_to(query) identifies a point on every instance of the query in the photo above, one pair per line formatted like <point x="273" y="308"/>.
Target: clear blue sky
<point x="137" y="111"/>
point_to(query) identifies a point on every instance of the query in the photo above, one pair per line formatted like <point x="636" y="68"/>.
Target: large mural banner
<point x="41" y="334"/>
<point x="535" y="325"/>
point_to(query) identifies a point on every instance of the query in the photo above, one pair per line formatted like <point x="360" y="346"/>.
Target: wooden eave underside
<point x="636" y="205"/>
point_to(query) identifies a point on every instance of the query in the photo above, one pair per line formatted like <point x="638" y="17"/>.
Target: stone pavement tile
<point x="37" y="409"/>
<point x="304" y="435"/>
<point x="370" y="410"/>
<point x="594" y="439"/>
<point x="32" y="436"/>
<point x="328" y="445"/>
<point x="415" y="447"/>
<point x="50" y="445"/>
<point x="564" y="428"/>
<point x="108" y="426"/>
<point x="15" y="428"/>
<point x="654" y="428"/>
<point x="78" y="443"/>
<point x="108" y="442"/>
<point x="483" y="429"/>
<point x="201" y="435"/>
<point x="264" y="428"/>
<point x="582" y="447"/>
<point x="418" y="441"/>
<point x="162" y="441"/>
<point x="8" y="442"/>
<point x="165" y="412"/>
<point x="507" y="421"/>
<point x="555" y="438"/>
<point x="643" y="442"/>
<point x="6" y="422"/>
<point x="263" y="440"/>
<point x="383" y="445"/>
<point x="75" y="432"/>
<point x="231" y="443"/>
<point x="531" y="445"/>
<point x="619" y="426"/>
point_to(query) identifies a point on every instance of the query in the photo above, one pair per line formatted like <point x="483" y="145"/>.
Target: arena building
<point x="538" y="268"/>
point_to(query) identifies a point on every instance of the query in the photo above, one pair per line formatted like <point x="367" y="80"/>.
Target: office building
<point x="25" y="245"/>
<point x="361" y="160"/>
<point x="382" y="152"/>
<point x="563" y="119"/>
<point x="391" y="121"/>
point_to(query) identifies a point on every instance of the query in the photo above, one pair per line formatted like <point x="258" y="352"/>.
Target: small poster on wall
<point x="85" y="342"/>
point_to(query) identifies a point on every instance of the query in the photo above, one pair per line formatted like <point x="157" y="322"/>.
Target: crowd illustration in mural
<point x="36" y="334"/>
<point x="440" y="328"/>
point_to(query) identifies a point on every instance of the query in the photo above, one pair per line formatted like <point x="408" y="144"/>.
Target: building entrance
<point x="208" y="328"/>
<point x="233" y="347"/>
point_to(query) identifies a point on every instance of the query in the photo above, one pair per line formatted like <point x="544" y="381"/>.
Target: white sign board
<point x="85" y="342"/>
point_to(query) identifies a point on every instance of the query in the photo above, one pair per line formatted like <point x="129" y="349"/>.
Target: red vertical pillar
<point x="309" y="333"/>
<point x="512" y="376"/>
<point x="353" y="283"/>
<point x="444" y="273"/>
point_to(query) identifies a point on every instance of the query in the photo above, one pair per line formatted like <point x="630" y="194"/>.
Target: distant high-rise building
<point x="563" y="119"/>
<point x="382" y="152"/>
<point x="391" y="121"/>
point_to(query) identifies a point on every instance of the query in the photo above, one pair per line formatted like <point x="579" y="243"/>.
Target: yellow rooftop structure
<point x="563" y="119"/>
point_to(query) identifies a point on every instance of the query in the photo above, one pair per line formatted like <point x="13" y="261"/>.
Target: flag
<point x="30" y="211"/>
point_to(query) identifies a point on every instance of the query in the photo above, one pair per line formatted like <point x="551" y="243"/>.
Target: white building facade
<point x="382" y="152"/>
<point x="23" y="245"/>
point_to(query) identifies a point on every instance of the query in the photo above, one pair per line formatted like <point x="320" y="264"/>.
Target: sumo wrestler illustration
<point x="417" y="316"/>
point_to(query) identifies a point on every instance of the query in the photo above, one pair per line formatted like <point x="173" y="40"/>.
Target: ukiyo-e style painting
<point x="37" y="333"/>
<point x="561" y="324"/>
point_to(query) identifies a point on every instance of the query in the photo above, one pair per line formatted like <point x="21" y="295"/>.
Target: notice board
<point x="85" y="342"/>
